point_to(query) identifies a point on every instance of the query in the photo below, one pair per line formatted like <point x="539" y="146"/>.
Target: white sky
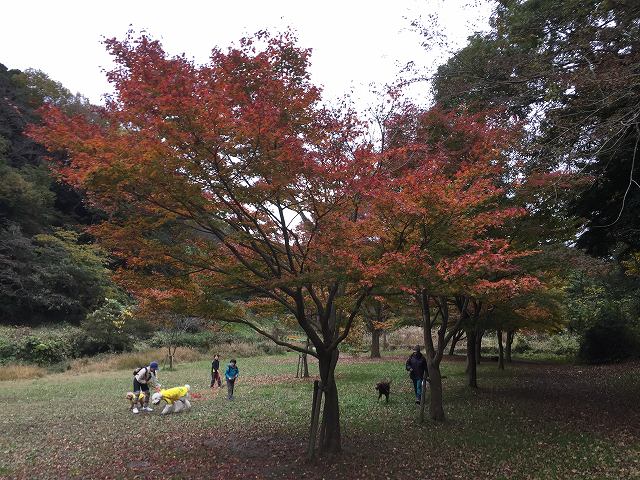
<point x="355" y="42"/>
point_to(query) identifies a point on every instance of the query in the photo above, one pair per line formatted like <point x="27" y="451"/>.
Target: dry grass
<point x="131" y="360"/>
<point x="21" y="372"/>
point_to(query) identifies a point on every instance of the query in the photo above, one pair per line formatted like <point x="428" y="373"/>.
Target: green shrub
<point x="102" y="332"/>
<point x="521" y="345"/>
<point x="42" y="345"/>
<point x="203" y="340"/>
<point x="8" y="349"/>
<point x="564" y="344"/>
<point x="51" y="345"/>
<point x="109" y="328"/>
<point x="141" y="346"/>
<point x="44" y="351"/>
<point x="611" y="339"/>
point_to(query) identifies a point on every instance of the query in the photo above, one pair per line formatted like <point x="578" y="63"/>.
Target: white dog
<point x="177" y="399"/>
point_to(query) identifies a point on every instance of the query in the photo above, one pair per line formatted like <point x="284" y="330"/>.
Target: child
<point x="177" y="399"/>
<point x="215" y="374"/>
<point x="231" y="375"/>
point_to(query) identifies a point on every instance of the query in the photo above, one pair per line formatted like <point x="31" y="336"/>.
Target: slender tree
<point x="435" y="212"/>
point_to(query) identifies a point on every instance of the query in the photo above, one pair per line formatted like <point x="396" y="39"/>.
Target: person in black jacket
<point x="417" y="366"/>
<point x="215" y="374"/>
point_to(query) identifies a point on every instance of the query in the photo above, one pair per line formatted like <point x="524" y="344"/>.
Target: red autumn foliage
<point x="229" y="176"/>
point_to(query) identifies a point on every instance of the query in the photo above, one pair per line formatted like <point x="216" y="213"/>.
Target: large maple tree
<point x="227" y="176"/>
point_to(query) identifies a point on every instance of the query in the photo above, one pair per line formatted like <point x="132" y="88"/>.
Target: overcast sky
<point x="355" y="42"/>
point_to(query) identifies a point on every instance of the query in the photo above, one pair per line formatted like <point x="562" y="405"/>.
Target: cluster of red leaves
<point x="437" y="209"/>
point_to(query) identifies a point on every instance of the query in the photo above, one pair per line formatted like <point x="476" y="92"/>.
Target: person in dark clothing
<point x="417" y="366"/>
<point x="215" y="373"/>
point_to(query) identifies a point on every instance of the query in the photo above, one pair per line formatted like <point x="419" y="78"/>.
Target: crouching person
<point x="142" y="378"/>
<point x="177" y="399"/>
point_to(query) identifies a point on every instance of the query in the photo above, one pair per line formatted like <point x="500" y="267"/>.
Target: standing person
<point x="231" y="374"/>
<point x="142" y="378"/>
<point x="417" y="366"/>
<point x="215" y="374"/>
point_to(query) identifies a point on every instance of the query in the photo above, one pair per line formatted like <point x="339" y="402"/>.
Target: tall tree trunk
<point x="510" y="336"/>
<point x="375" y="343"/>
<point x="500" y="351"/>
<point x="436" y="410"/>
<point x="385" y="341"/>
<point x="472" y="373"/>
<point x="478" y="345"/>
<point x="433" y="355"/>
<point x="330" y="440"/>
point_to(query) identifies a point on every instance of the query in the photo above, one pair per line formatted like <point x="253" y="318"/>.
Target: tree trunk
<point x="510" y="336"/>
<point x="330" y="441"/>
<point x="375" y="343"/>
<point x="315" y="417"/>
<point x="454" y="341"/>
<point x="171" y="357"/>
<point x="436" y="410"/>
<point x="472" y="374"/>
<point x="500" y="351"/>
<point x="305" y="362"/>
<point x="385" y="341"/>
<point x="478" y="345"/>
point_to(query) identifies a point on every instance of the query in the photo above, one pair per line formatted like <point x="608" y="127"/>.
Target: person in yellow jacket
<point x="177" y="399"/>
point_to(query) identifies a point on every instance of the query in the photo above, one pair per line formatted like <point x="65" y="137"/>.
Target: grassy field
<point x="531" y="421"/>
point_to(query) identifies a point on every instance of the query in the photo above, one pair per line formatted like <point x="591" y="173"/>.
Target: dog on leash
<point x="135" y="403"/>
<point x="383" y="388"/>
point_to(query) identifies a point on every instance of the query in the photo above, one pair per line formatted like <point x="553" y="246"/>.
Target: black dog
<point x="383" y="388"/>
